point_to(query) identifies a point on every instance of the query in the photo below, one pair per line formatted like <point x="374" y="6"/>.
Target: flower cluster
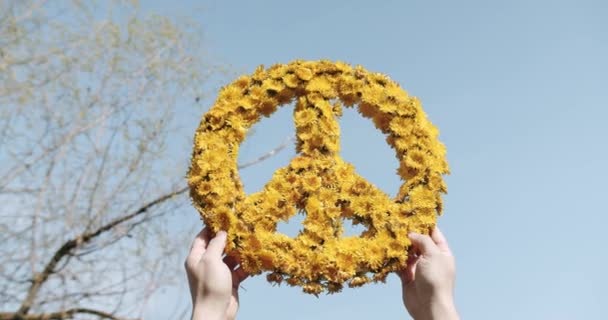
<point x="318" y="183"/>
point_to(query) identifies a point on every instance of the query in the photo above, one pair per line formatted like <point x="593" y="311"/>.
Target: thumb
<point x="216" y="246"/>
<point x="423" y="243"/>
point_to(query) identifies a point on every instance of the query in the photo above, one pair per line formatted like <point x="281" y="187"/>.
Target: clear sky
<point x="519" y="90"/>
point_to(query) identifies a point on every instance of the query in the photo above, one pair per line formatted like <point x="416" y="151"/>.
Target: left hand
<point x="214" y="281"/>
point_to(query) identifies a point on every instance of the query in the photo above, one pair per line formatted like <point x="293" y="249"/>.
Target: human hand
<point x="214" y="282"/>
<point x="428" y="281"/>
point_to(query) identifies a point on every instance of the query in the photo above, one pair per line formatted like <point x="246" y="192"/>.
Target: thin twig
<point x="60" y="315"/>
<point x="268" y="154"/>
<point x="67" y="248"/>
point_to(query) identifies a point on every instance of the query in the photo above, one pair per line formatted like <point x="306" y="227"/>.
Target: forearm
<point x="208" y="311"/>
<point x="439" y="309"/>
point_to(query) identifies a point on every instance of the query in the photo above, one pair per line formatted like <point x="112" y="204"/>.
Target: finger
<point x="405" y="275"/>
<point x="216" y="246"/>
<point x="401" y="275"/>
<point x="440" y="240"/>
<point x="410" y="269"/>
<point x="410" y="272"/>
<point x="231" y="262"/>
<point x="238" y="275"/>
<point x="197" y="249"/>
<point x="423" y="243"/>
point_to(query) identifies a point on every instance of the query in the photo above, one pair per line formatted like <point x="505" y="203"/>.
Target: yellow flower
<point x="304" y="73"/>
<point x="358" y="281"/>
<point x="242" y="82"/>
<point x="407" y="172"/>
<point x="204" y="188"/>
<point x="317" y="182"/>
<point x="415" y="159"/>
<point x="291" y="80"/>
<point x="271" y="196"/>
<point x="272" y="87"/>
<point x="379" y="78"/>
<point x="421" y="197"/>
<point x="245" y="103"/>
<point x="256" y="93"/>
<point x="305" y="116"/>
<point x="382" y="121"/>
<point x="402" y="125"/>
<point x="275" y="277"/>
<point x="224" y="219"/>
<point x="301" y="163"/>
<point x="323" y="86"/>
<point x="267" y="107"/>
<point x="336" y="107"/>
<point x="266" y="258"/>
<point x="285" y="96"/>
<point x="372" y="95"/>
<point x="367" y="110"/>
<point x="387" y="107"/>
<point x="293" y="281"/>
<point x="230" y="93"/>
<point x="211" y="157"/>
<point x="394" y="92"/>
<point x="311" y="182"/>
<point x="277" y="71"/>
<point x="360" y="186"/>
<point x="312" y="288"/>
<point x="333" y="287"/>
<point x="313" y="204"/>
<point x="343" y="67"/>
<point x="344" y="172"/>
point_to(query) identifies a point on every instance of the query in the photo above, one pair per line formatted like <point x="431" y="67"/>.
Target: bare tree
<point x="87" y="96"/>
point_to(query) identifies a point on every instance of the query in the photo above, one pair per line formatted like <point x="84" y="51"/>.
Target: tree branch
<point x="66" y="249"/>
<point x="267" y="154"/>
<point x="85" y="237"/>
<point x="59" y="315"/>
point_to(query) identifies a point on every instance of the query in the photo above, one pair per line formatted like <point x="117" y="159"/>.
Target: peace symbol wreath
<point x="317" y="182"/>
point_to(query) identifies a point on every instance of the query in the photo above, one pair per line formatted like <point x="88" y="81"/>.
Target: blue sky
<point x="519" y="92"/>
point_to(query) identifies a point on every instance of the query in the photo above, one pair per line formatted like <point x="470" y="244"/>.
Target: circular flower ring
<point x="317" y="183"/>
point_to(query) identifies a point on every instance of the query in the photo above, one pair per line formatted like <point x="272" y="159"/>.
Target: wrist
<point x="206" y="310"/>
<point x="439" y="308"/>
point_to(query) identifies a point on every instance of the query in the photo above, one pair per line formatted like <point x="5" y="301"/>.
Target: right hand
<point x="214" y="281"/>
<point x="428" y="280"/>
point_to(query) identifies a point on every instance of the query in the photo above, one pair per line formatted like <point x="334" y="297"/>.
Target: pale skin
<point x="214" y="280"/>
<point x="427" y="282"/>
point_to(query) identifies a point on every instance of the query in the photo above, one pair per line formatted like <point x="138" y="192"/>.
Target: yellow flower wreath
<point x="317" y="182"/>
